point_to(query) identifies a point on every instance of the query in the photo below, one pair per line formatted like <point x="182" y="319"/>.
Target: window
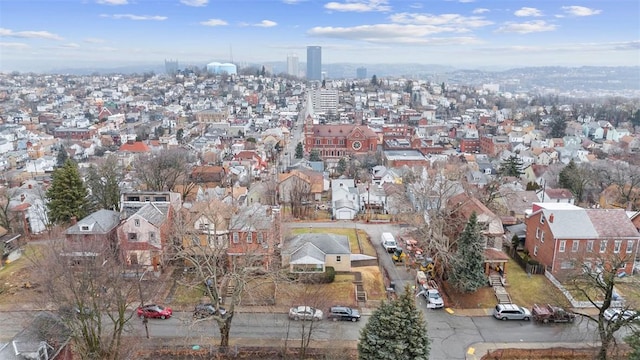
<point x="541" y="219"/>
<point x="259" y="237"/>
<point x="136" y="222"/>
<point x="567" y="264"/>
<point x="629" y="246"/>
<point x="249" y="237"/>
<point x="590" y="246"/>
<point x="541" y="236"/>
<point x="236" y="238"/>
<point x="152" y="236"/>
<point x="132" y="237"/>
<point x="84" y="227"/>
<point x="574" y="245"/>
<point x="603" y="245"/>
<point x="338" y="258"/>
<point x="317" y="141"/>
<point x="537" y="233"/>
<point x="563" y="244"/>
<point x="616" y="246"/>
<point x="535" y="250"/>
<point x="341" y="141"/>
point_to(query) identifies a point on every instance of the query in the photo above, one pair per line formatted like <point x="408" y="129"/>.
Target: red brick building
<point x="563" y="237"/>
<point x="333" y="141"/>
<point x="493" y="145"/>
<point x="470" y="145"/>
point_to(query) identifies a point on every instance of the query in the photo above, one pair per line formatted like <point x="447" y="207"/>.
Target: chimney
<point x="74" y="220"/>
<point x="551" y="218"/>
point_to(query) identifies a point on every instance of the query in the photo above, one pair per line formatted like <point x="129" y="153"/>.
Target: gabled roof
<point x="308" y="253"/>
<point x="100" y="222"/>
<point x="154" y="213"/>
<point x="136" y="147"/>
<point x="589" y="223"/>
<point x="327" y="243"/>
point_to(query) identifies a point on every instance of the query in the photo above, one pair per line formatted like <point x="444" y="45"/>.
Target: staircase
<point x="498" y="288"/>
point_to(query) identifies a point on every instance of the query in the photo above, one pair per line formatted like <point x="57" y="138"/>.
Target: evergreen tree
<point x="511" y="166"/>
<point x="342" y="166"/>
<point x="558" y="127"/>
<point x="299" y="151"/>
<point x="396" y="331"/>
<point x="62" y="156"/>
<point x="633" y="341"/>
<point x="314" y="156"/>
<point x="467" y="270"/>
<point x="67" y="195"/>
<point x="574" y="178"/>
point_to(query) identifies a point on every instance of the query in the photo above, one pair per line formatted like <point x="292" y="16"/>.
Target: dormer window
<point x="541" y="219"/>
<point x="84" y="227"/>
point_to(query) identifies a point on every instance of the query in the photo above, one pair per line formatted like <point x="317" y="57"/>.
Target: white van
<point x="389" y="242"/>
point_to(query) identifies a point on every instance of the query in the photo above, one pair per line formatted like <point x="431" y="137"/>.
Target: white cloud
<point x="392" y="33"/>
<point x="196" y="3"/>
<point x="526" y="27"/>
<point x="94" y="41"/>
<point x="358" y="6"/>
<point x="135" y="17"/>
<point x="461" y="22"/>
<point x="580" y="11"/>
<point x="480" y="11"/>
<point x="113" y="2"/>
<point x="527" y="11"/>
<point x="214" y="22"/>
<point x="14" y="45"/>
<point x="266" y="23"/>
<point x="466" y="1"/>
<point x="416" y="6"/>
<point x="29" y="34"/>
<point x="68" y="46"/>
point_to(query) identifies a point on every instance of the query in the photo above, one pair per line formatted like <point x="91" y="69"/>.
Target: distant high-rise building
<point x="314" y="63"/>
<point x="292" y="65"/>
<point x="171" y="66"/>
<point x="361" y="73"/>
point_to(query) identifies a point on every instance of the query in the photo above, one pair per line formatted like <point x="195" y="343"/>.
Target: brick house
<point x="254" y="235"/>
<point x="92" y="235"/>
<point x="144" y="235"/>
<point x="562" y="237"/>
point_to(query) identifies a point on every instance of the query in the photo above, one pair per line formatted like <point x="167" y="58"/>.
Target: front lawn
<point x="526" y="290"/>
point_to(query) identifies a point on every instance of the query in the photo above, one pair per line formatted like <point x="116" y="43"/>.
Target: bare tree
<point x="597" y="284"/>
<point x="203" y="239"/>
<point x="84" y="282"/>
<point x="163" y="171"/>
<point x="624" y="178"/>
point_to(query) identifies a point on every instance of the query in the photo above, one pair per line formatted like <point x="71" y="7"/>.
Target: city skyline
<point x="44" y="35"/>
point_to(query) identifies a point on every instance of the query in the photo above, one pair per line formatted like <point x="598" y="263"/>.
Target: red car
<point x="154" y="311"/>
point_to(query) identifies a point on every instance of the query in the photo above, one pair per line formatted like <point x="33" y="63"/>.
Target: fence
<point x="534" y="269"/>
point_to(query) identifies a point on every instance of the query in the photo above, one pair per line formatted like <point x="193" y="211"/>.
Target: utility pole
<point x="145" y="321"/>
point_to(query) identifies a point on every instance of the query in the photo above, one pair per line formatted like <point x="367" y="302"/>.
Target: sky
<point x="40" y="35"/>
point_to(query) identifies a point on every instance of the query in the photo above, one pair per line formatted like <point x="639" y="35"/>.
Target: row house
<point x="567" y="239"/>
<point x="254" y="236"/>
<point x="494" y="145"/>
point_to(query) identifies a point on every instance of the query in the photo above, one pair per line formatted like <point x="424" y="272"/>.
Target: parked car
<point x="549" y="313"/>
<point x="613" y="314"/>
<point x="305" y="313"/>
<point x="343" y="313"/>
<point x="511" y="312"/>
<point x="205" y="310"/>
<point x="154" y="311"/>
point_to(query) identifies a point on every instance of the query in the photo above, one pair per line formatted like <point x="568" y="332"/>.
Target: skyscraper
<point x="292" y="65"/>
<point x="361" y="73"/>
<point x="314" y="63"/>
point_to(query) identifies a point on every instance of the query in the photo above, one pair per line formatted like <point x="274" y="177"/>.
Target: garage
<point x="344" y="214"/>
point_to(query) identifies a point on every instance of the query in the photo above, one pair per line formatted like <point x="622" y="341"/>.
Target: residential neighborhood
<point x="238" y="186"/>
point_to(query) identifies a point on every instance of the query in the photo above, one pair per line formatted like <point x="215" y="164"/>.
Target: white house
<point x="344" y="198"/>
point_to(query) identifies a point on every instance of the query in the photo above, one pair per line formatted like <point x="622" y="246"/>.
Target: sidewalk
<point x="478" y="350"/>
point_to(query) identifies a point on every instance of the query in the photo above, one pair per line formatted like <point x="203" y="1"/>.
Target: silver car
<point x="511" y="312"/>
<point x="305" y="313"/>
